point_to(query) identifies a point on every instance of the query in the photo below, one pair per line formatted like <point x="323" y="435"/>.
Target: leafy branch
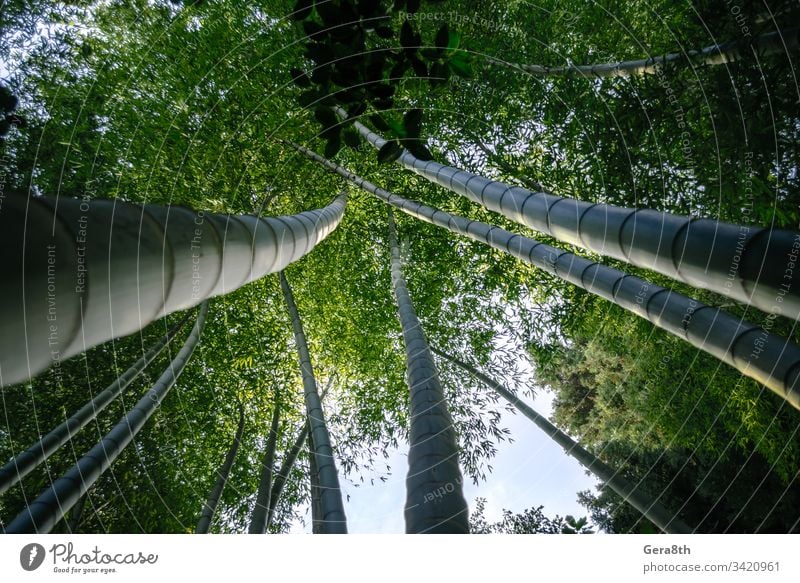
<point x="361" y="76"/>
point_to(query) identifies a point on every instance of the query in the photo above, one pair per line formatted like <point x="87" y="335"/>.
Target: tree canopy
<point x="195" y="103"/>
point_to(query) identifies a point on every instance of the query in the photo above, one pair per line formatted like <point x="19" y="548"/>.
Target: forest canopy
<point x="216" y="109"/>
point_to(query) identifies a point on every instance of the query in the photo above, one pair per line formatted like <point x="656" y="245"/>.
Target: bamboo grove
<point x="214" y="316"/>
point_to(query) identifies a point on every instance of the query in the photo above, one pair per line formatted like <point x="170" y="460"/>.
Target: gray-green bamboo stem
<point x="649" y="507"/>
<point x="778" y="42"/>
<point x="23" y="464"/>
<point x="210" y="507"/>
<point x="753" y="265"/>
<point x="283" y="472"/>
<point x="78" y="273"/>
<point x="434" y="497"/>
<point x="288" y="463"/>
<point x="332" y="508"/>
<point x="317" y="523"/>
<point x="43" y="513"/>
<point x="258" y="522"/>
<point x="752" y="350"/>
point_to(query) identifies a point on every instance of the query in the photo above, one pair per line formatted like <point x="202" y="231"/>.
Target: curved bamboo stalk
<point x="651" y="509"/>
<point x="289" y="461"/>
<point x="210" y="507"/>
<point x="767" y="44"/>
<point x="64" y="493"/>
<point x="77" y="273"/>
<point x="754" y="265"/>
<point x="333" y="517"/>
<point x="258" y="522"/>
<point x="752" y="350"/>
<point x="22" y="465"/>
<point x="434" y="497"/>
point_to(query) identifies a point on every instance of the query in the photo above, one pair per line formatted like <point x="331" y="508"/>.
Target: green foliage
<point x="662" y="409"/>
<point x="8" y="103"/>
<point x="529" y="521"/>
<point x="182" y="103"/>
<point x="357" y="66"/>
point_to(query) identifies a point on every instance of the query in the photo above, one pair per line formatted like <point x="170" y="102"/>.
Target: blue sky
<point x="531" y="471"/>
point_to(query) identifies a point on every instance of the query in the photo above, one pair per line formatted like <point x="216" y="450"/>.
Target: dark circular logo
<point x="31" y="556"/>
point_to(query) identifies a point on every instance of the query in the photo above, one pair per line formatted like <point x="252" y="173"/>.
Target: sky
<point x="529" y="472"/>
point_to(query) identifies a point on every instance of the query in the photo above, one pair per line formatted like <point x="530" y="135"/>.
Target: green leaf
<point x="420" y="68"/>
<point x="408" y="37"/>
<point x="331" y="13"/>
<point x="379" y="123"/>
<point x="418" y="149"/>
<point x="389" y="152"/>
<point x="346" y="75"/>
<point x="461" y="64"/>
<point x="412" y="123"/>
<point x="440" y="73"/>
<point x="443" y="37"/>
<point x="350" y="96"/>
<point x="326" y="116"/>
<point x="318" y="52"/>
<point x="356" y="110"/>
<point x="300" y="78"/>
<point x="384" y="32"/>
<point x="331" y="132"/>
<point x="321" y="75"/>
<point x="8" y="101"/>
<point x="381" y="90"/>
<point x="374" y="71"/>
<point x="369" y="8"/>
<point x="313" y="29"/>
<point x="333" y="146"/>
<point x="351" y="138"/>
<point x="308" y="97"/>
<point x="398" y="71"/>
<point x="453" y="40"/>
<point x="397" y="128"/>
<point x="302" y="9"/>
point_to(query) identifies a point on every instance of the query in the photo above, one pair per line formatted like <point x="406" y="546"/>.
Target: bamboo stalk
<point x="44" y="512"/>
<point x="82" y="272"/>
<point x="752" y="350"/>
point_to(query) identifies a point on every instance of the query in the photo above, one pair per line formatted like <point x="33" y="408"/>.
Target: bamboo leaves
<point x="302" y="9"/>
<point x="408" y="136"/>
<point x="356" y="75"/>
<point x="8" y="103"/>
